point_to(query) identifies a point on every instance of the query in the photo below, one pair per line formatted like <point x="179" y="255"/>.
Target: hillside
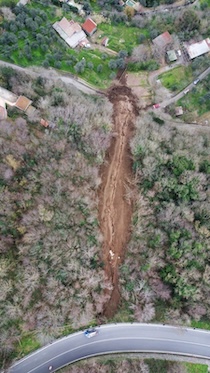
<point x="105" y="197"/>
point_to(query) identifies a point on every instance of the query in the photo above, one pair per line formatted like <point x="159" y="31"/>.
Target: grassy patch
<point x="162" y="366"/>
<point x="177" y="79"/>
<point x="196" y="368"/>
<point x="121" y="37"/>
<point x="27" y="343"/>
<point x="202" y="324"/>
<point x="198" y="99"/>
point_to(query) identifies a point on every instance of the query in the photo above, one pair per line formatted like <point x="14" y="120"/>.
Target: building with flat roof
<point x="23" y="103"/>
<point x="171" y="55"/>
<point x="197" y="49"/>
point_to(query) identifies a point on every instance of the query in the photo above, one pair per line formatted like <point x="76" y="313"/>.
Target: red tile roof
<point x="89" y="25"/>
<point x="163" y="39"/>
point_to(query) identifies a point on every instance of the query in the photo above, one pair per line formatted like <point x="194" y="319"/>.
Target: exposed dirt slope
<point x="115" y="208"/>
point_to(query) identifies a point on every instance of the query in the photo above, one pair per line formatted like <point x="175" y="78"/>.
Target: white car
<point x="89" y="333"/>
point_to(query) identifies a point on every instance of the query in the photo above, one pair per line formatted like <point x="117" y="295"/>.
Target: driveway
<point x="7" y="96"/>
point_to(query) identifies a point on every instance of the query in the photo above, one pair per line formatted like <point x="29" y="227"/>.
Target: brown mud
<point x="115" y="193"/>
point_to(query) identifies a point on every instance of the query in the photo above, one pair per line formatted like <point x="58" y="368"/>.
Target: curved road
<point x="116" y="338"/>
<point x="53" y="74"/>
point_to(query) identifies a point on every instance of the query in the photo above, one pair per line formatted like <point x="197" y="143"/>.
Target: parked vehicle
<point x="89" y="333"/>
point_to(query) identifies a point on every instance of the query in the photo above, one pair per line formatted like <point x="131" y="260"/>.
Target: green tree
<point x="205" y="167"/>
<point x="99" y="68"/>
<point x="90" y="65"/>
<point x="112" y="64"/>
<point x="188" y="21"/>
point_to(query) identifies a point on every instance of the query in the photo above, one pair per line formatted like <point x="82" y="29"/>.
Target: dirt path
<point x="115" y="208"/>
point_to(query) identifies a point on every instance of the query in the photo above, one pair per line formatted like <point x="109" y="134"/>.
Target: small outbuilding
<point x="89" y="27"/>
<point x="105" y="41"/>
<point x="178" y="111"/>
<point x="23" y="103"/>
<point x="130" y="3"/>
<point x="171" y="55"/>
<point x="44" y="123"/>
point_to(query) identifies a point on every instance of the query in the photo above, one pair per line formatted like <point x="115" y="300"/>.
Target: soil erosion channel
<point x="115" y="206"/>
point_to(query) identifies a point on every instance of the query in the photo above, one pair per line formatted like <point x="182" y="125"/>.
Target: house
<point x="23" y="103"/>
<point x="71" y="32"/>
<point x="197" y="49"/>
<point x="162" y="40"/>
<point x="89" y="26"/>
<point x="105" y="41"/>
<point x="171" y="55"/>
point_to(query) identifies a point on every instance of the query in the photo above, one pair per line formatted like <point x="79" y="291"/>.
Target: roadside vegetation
<point x="178" y="78"/>
<point x="119" y="364"/>
<point x="197" y="101"/>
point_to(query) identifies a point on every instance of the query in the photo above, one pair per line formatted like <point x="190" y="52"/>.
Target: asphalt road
<point x="113" y="338"/>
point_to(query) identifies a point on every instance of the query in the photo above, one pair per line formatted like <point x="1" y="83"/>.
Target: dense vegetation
<point x="166" y="273"/>
<point x="50" y="266"/>
<point x="50" y="263"/>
